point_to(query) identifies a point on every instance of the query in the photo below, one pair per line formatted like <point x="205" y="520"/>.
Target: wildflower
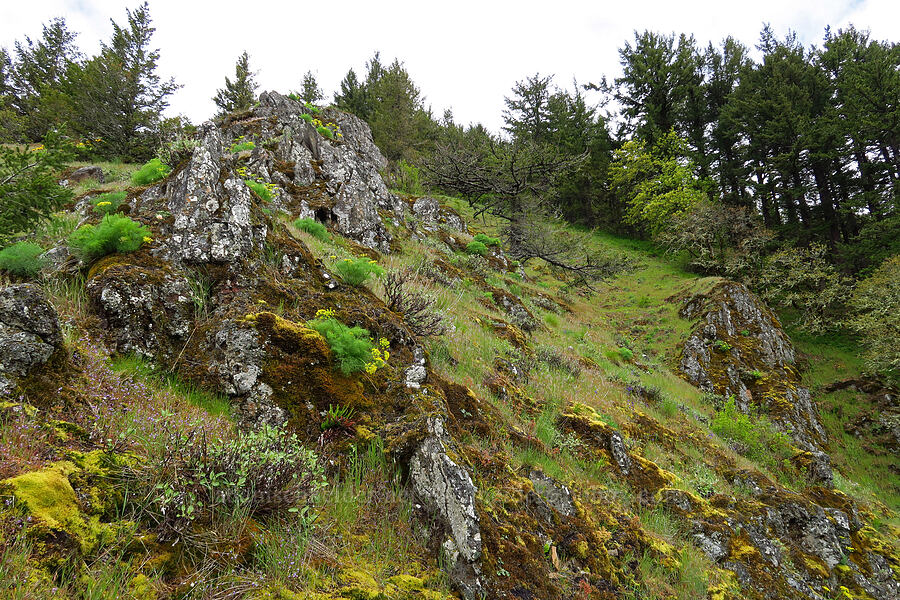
<point x="104" y="203"/>
<point x="261" y="301"/>
<point x="384" y="342"/>
<point x="147" y="238"/>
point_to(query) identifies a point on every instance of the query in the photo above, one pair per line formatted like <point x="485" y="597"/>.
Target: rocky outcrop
<point x="738" y="349"/>
<point x="29" y="332"/>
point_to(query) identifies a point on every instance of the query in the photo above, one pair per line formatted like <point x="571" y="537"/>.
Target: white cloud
<point x="465" y="55"/>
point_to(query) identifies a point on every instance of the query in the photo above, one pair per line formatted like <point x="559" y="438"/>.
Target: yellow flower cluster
<point x="147" y="238"/>
<point x="243" y="173"/>
<point x="104" y="203"/>
<point x="380" y="356"/>
<point x="325" y="313"/>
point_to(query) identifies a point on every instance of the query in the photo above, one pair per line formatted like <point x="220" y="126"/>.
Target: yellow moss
<point x="359" y="585"/>
<point x="406" y="582"/>
<point x="141" y="588"/>
<point x="816" y="566"/>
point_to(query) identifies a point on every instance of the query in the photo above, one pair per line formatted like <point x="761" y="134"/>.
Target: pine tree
<point x="353" y="96"/>
<point x="310" y="90"/>
<point x="240" y="93"/>
<point x="527" y="113"/>
<point x="120" y="97"/>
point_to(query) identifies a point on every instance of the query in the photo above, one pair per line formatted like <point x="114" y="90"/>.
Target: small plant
<point x="417" y="308"/>
<point x="477" y="248"/>
<point x="722" y="346"/>
<point x="352" y="347"/>
<point x="757" y="440"/>
<point x="114" y="233"/>
<point x="619" y="355"/>
<point x="22" y="259"/>
<point x="240" y="145"/>
<point x="486" y="239"/>
<point x="338" y="417"/>
<point x="108" y="203"/>
<point x="357" y="271"/>
<point x="152" y="171"/>
<point x="325" y="132"/>
<point x="313" y="228"/>
<point x="260" y="189"/>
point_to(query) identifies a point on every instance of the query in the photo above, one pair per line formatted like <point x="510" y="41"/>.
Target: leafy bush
<point x="325" y="131"/>
<point x="108" y="202"/>
<point x="357" y="271"/>
<point x="152" y="171"/>
<point x="22" y="259"/>
<point x="475" y="247"/>
<point x="758" y="441"/>
<point x="352" y="347"/>
<point x="313" y="228"/>
<point x="259" y="189"/>
<point x="29" y="185"/>
<point x="261" y="471"/>
<point x="407" y="178"/>
<point x="876" y="301"/>
<point x="114" y="233"/>
<point x="239" y="145"/>
<point x="487" y="240"/>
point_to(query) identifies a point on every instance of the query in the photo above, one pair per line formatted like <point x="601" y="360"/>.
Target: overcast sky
<point x="464" y="55"/>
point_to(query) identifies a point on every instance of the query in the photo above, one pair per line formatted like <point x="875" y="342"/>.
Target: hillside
<point x="202" y="418"/>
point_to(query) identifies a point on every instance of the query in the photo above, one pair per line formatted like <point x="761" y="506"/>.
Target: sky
<point x="464" y="55"/>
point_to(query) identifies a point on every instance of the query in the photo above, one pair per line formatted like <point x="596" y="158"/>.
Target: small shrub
<point x="114" y="233"/>
<point x="668" y="407"/>
<point x="722" y="346"/>
<point x="108" y="202"/>
<point x="307" y="117"/>
<point x="313" y="228"/>
<point x="352" y="347"/>
<point x="475" y="247"/>
<point x="325" y="132"/>
<point x="758" y="441"/>
<point x="407" y="178"/>
<point x="22" y="259"/>
<point x="262" y="471"/>
<point x="260" y="189"/>
<point x="487" y="240"/>
<point x="240" y="145"/>
<point x="417" y="308"/>
<point x="619" y="355"/>
<point x="152" y="171"/>
<point x="337" y="417"/>
<point x="357" y="271"/>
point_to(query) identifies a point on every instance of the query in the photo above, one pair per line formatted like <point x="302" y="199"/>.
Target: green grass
<point x="137" y="367"/>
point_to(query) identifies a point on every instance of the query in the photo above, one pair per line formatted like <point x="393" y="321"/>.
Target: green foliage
<point x="619" y="355"/>
<point x="240" y="145"/>
<point x="337" y="416"/>
<point x="757" y="440"/>
<point x="475" y="247"/>
<point x="654" y="183"/>
<point x="722" y="346"/>
<point x="407" y="178"/>
<point x="325" y="131"/>
<point x="151" y="172"/>
<point x="240" y="93"/>
<point x="22" y="259"/>
<point x="114" y="233"/>
<point x="313" y="228"/>
<point x="260" y="189"/>
<point x="262" y="472"/>
<point x="352" y="347"/>
<point x="108" y="202"/>
<point x="876" y="301"/>
<point x="486" y="239"/>
<point x="28" y="184"/>
<point x="803" y="280"/>
<point x="356" y="271"/>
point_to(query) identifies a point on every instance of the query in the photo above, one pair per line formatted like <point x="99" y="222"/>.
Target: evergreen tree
<point x="353" y="96"/>
<point x="310" y="90"/>
<point x="527" y="113"/>
<point x="240" y="93"/>
<point x="120" y="98"/>
<point x="401" y="125"/>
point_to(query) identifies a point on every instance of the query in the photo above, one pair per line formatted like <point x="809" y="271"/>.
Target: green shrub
<point x="408" y="178"/>
<point x="357" y="271"/>
<point x="152" y="171"/>
<point x="487" y="240"/>
<point x="475" y="247"/>
<point x="876" y="301"/>
<point x="239" y="145"/>
<point x="325" y="131"/>
<point x="756" y="440"/>
<point x="108" y="202"/>
<point x="352" y="347"/>
<point x="264" y="471"/>
<point x="259" y="189"/>
<point x="22" y="259"/>
<point x="722" y="346"/>
<point x="114" y="233"/>
<point x="313" y="228"/>
<point x="307" y="117"/>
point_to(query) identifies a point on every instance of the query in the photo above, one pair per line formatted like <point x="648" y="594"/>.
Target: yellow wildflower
<point x="147" y="239"/>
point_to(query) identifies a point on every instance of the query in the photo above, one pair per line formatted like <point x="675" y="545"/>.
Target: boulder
<point x="82" y="173"/>
<point x="29" y="332"/>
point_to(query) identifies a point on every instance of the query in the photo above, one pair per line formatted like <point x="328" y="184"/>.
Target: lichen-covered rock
<point x="145" y="305"/>
<point x="29" y="332"/>
<point x="738" y="348"/>
<point x="447" y="490"/>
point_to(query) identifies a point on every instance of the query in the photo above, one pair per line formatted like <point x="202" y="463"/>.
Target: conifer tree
<point x="240" y="93"/>
<point x="310" y="90"/>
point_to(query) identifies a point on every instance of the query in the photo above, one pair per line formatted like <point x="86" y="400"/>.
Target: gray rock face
<point x="29" y="332"/>
<point x="430" y="215"/>
<point x="210" y="205"/>
<point x="148" y="310"/>
<point x="738" y="348"/>
<point x="552" y="493"/>
<point x="448" y="492"/>
<point x="89" y="172"/>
